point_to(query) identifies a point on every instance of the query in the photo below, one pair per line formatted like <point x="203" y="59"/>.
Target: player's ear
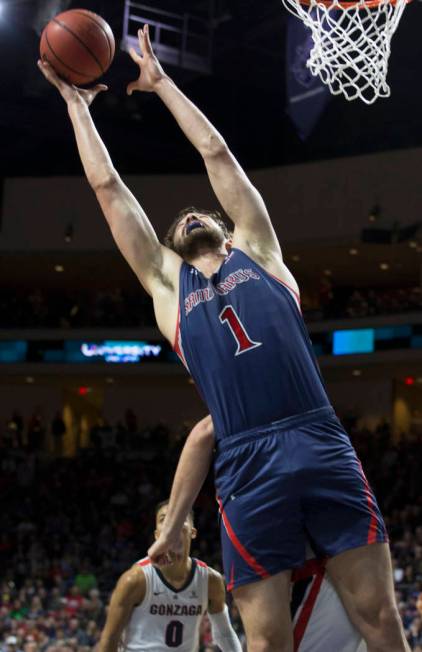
<point x="229" y="245"/>
<point x="194" y="533"/>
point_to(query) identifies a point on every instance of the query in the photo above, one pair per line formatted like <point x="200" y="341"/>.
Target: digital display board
<point x="354" y="341"/>
<point x="86" y="351"/>
<point x="338" y="342"/>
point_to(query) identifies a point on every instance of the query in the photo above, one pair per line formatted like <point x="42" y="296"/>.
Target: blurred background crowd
<point x="116" y="307"/>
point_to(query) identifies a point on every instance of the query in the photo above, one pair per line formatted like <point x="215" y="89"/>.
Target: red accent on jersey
<point x="176" y="346"/>
<point x="176" y="343"/>
<point x="305" y="614"/>
<point x="144" y="562"/>
<point x="201" y="563"/>
<point x="250" y="560"/>
<point x="372" y="530"/>
<point x="311" y="567"/>
<point x="286" y="285"/>
<point x="243" y="341"/>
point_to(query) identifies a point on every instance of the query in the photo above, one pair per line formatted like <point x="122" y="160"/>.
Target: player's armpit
<point x="129" y="592"/>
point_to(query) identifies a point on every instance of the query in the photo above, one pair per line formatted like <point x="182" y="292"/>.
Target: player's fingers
<point x="135" y="56"/>
<point x="48" y="72"/>
<point x="131" y="87"/>
<point x="99" y="88"/>
<point x="147" y="42"/>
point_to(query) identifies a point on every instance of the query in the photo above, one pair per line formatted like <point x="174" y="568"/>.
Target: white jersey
<point x="167" y="617"/>
<point x="320" y="621"/>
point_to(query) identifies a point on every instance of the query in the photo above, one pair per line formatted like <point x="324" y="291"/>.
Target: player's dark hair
<point x="215" y="215"/>
<point x="163" y="503"/>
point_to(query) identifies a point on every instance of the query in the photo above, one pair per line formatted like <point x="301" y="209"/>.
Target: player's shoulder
<point x="215" y="579"/>
<point x="134" y="577"/>
<point x="200" y="563"/>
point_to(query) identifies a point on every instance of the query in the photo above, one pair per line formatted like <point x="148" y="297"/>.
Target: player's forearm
<point x="191" y="472"/>
<point x="95" y="159"/>
<point x="194" y="124"/>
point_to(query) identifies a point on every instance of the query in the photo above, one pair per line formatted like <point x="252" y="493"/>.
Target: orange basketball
<point x="79" y="45"/>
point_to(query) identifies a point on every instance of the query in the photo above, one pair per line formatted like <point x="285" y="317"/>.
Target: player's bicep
<point x="216" y="592"/>
<point x="129" y="591"/>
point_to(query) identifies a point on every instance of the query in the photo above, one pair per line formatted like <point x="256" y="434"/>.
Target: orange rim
<point x="366" y="4"/>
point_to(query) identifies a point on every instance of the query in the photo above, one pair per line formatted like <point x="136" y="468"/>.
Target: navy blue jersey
<point x="242" y="337"/>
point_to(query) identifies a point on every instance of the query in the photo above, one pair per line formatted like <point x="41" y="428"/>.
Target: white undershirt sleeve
<point x="223" y="633"/>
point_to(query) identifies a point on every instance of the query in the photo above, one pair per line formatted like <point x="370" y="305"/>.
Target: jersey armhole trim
<point x="144" y="562"/>
<point x="201" y="563"/>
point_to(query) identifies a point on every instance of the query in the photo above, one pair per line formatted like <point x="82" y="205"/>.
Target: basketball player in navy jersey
<point x="285" y="469"/>
<point x="320" y="622"/>
<point x="153" y="610"/>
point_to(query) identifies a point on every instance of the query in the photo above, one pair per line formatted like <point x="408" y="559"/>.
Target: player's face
<point x="196" y="231"/>
<point x="188" y="530"/>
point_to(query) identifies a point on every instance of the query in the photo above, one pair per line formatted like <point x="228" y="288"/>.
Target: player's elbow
<point x="105" y="181"/>
<point x="203" y="433"/>
<point x="214" y="146"/>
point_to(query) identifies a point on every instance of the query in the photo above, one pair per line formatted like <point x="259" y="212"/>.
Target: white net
<point x="351" y="44"/>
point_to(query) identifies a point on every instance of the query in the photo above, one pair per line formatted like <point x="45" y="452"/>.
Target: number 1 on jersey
<point x="243" y="341"/>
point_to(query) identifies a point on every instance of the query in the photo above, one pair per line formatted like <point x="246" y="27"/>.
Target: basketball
<point x="79" y="45"/>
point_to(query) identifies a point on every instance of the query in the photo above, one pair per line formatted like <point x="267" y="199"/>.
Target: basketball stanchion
<point x="352" y="43"/>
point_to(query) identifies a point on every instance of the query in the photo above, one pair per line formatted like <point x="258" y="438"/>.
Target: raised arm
<point x="129" y="592"/>
<point x="155" y="265"/>
<point x="191" y="472"/>
<point x="239" y="198"/>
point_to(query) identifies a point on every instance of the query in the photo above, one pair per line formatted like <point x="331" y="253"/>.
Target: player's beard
<point x="199" y="240"/>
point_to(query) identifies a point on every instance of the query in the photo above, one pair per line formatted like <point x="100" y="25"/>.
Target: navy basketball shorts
<point x="294" y="482"/>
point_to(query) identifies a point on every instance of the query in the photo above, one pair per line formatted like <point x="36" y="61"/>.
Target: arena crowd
<point x="117" y="308"/>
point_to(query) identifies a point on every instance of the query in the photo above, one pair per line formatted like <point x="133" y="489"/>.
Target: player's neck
<point x="178" y="572"/>
<point x="209" y="262"/>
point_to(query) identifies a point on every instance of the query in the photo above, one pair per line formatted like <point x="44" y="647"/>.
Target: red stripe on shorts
<point x="372" y="530"/>
<point x="230" y="585"/>
<point x="250" y="560"/>
<point x="305" y="614"/>
<point x="310" y="567"/>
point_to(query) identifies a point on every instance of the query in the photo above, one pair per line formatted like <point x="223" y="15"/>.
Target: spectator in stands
<point x="85" y="580"/>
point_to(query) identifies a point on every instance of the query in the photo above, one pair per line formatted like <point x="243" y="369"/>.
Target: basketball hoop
<point x="352" y="43"/>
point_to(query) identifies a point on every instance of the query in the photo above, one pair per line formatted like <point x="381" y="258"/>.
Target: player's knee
<point x="385" y="630"/>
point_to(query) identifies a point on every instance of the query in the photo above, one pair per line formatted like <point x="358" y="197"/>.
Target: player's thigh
<point x="363" y="579"/>
<point x="265" y="610"/>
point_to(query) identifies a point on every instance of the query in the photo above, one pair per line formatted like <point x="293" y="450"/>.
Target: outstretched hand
<point x="151" y="71"/>
<point x="165" y="550"/>
<point x="69" y="92"/>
